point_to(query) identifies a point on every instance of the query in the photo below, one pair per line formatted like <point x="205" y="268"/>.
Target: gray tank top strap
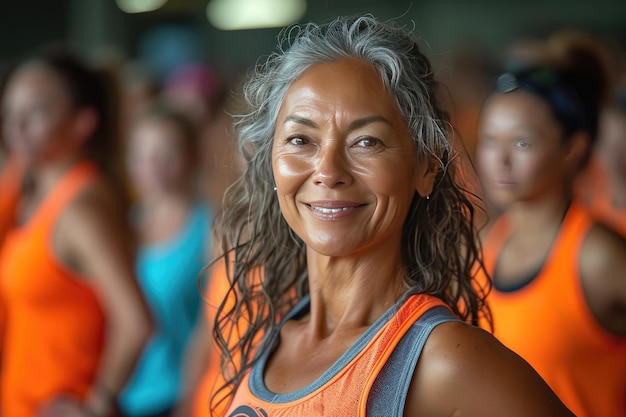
<point x="389" y="391"/>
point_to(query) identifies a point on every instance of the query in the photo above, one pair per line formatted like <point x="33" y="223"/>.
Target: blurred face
<point x="343" y="159"/>
<point x="520" y="156"/>
<point x="157" y="157"/>
<point x="189" y="100"/>
<point x="39" y="123"/>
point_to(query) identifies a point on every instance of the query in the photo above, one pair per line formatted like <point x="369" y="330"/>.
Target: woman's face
<point x="520" y="155"/>
<point x="344" y="162"/>
<point x="38" y="115"/>
<point x="157" y="158"/>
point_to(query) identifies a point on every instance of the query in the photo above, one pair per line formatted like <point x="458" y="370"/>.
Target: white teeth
<point x="329" y="210"/>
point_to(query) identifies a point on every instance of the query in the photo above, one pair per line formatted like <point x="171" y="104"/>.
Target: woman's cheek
<point x="289" y="171"/>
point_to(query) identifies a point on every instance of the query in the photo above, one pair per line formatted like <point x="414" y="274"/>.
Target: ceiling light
<point x="254" y="14"/>
<point x="140" y="6"/>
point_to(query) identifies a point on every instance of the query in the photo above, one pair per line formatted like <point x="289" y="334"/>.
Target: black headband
<point x="551" y="87"/>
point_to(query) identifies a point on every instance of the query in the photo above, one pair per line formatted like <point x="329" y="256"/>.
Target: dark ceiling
<point x="442" y="24"/>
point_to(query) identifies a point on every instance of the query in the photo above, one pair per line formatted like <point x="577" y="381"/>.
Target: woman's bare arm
<point x="603" y="274"/>
<point x="465" y="371"/>
<point x="99" y="244"/>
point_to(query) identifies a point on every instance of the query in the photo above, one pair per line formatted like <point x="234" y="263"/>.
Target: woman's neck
<point x="535" y="217"/>
<point x="161" y="219"/>
<point x="43" y="178"/>
<point x="353" y="292"/>
<point x="164" y="201"/>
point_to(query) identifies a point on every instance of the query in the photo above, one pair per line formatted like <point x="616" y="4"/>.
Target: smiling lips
<point x="332" y="209"/>
<point x="329" y="210"/>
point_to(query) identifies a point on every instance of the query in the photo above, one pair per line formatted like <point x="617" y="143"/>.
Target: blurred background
<point x="165" y="33"/>
<point x="175" y="63"/>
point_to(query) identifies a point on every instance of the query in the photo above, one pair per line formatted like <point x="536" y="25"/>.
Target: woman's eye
<point x="522" y="144"/>
<point x="298" y="140"/>
<point x="367" y="142"/>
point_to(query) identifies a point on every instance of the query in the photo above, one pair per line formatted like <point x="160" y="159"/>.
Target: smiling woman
<point x="339" y="156"/>
<point x="351" y="206"/>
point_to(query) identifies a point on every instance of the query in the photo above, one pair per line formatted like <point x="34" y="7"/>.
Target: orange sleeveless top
<point x="54" y="325"/>
<point x="548" y="323"/>
<point x="346" y="390"/>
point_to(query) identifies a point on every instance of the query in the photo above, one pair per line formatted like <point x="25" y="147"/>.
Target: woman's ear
<point x="426" y="174"/>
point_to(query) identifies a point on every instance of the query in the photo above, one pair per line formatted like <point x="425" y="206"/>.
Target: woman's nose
<point x="504" y="159"/>
<point x="332" y="167"/>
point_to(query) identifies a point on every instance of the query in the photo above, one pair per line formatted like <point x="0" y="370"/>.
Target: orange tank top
<point x="54" y="327"/>
<point x="344" y="389"/>
<point x="548" y="323"/>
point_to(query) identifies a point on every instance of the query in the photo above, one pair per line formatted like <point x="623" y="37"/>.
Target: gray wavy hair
<point x="439" y="243"/>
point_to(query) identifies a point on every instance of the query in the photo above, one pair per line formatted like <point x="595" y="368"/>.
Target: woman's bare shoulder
<point x="97" y="202"/>
<point x="92" y="225"/>
<point x="464" y="369"/>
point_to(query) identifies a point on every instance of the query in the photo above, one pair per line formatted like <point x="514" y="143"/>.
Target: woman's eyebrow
<point x="355" y="124"/>
<point x="301" y="120"/>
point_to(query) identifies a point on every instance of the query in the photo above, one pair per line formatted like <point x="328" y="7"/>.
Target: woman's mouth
<point x="330" y="210"/>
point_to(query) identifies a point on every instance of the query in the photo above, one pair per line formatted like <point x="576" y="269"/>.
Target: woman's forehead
<point x="346" y="83"/>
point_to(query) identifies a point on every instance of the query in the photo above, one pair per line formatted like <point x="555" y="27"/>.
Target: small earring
<point x="428" y="197"/>
<point x="274" y="188"/>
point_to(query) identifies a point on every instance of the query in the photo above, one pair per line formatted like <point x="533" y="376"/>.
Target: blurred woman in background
<point x="174" y="232"/>
<point x="559" y="277"/>
<point x="75" y="321"/>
